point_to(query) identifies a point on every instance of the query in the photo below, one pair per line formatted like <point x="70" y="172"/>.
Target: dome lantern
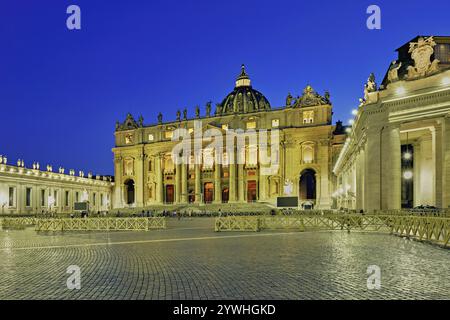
<point x="243" y="79"/>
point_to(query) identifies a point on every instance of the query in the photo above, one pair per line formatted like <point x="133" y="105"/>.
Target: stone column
<point x="232" y="182"/>
<point x="372" y="199"/>
<point x="177" y="183"/>
<point x="198" y="189"/>
<point x="139" y="183"/>
<point x="446" y="164"/>
<point x="241" y="194"/>
<point x="184" y="183"/>
<point x="426" y="170"/>
<point x="262" y="187"/>
<point x="360" y="171"/>
<point x="217" y="183"/>
<point x="391" y="184"/>
<point x="118" y="199"/>
<point x="159" y="180"/>
<point x="438" y="165"/>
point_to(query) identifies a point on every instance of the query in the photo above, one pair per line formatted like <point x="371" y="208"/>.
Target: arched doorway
<point x="169" y="193"/>
<point x="251" y="191"/>
<point x="129" y="191"/>
<point x="307" y="186"/>
<point x="208" y="192"/>
<point x="225" y="195"/>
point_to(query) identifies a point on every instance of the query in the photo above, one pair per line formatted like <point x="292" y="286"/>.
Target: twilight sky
<point x="61" y="91"/>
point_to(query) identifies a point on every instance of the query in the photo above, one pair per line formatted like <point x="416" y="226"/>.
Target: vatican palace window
<point x="308" y="117"/>
<point x="275" y="123"/>
<point x="169" y="134"/>
<point x="28" y="197"/>
<point x="251" y="125"/>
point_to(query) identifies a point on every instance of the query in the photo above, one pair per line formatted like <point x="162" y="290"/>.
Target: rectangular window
<point x="94" y="198"/>
<point x="28" y="197"/>
<point x="42" y="198"/>
<point x="55" y="196"/>
<point x="168" y="134"/>
<point x="251" y="125"/>
<point x="77" y="196"/>
<point x="275" y="123"/>
<point x="101" y="199"/>
<point x="150" y="166"/>
<point x="12" y="197"/>
<point x="308" y="117"/>
<point x="66" y="199"/>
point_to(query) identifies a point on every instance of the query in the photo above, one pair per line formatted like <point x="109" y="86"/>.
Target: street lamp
<point x="407" y="175"/>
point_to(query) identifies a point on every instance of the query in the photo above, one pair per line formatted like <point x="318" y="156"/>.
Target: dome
<point x="243" y="98"/>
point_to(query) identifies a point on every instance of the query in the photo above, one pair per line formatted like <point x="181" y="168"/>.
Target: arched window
<point x="308" y="153"/>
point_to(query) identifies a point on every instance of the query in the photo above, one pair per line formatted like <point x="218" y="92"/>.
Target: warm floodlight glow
<point x="400" y="90"/>
<point x="351" y="121"/>
<point x="407" y="155"/>
<point x="348" y="130"/>
<point x="354" y="112"/>
<point x="407" y="175"/>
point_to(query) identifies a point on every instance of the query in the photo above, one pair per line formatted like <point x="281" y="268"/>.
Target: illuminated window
<point x="308" y="117"/>
<point x="12" y="197"/>
<point x="169" y="134"/>
<point x="151" y="137"/>
<point x="308" y="153"/>
<point x="208" y="158"/>
<point x="251" y="125"/>
<point x="28" y="197"/>
<point x="275" y="123"/>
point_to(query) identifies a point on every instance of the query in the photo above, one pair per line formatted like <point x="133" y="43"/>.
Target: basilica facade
<point x="147" y="174"/>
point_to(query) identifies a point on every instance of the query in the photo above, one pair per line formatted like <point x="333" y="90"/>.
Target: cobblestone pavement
<point x="190" y="261"/>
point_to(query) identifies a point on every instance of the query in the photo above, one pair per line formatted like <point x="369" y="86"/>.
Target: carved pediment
<point x="129" y="123"/>
<point x="311" y="98"/>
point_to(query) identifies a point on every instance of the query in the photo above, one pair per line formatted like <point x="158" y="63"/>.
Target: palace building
<point x="146" y="173"/>
<point x="397" y="154"/>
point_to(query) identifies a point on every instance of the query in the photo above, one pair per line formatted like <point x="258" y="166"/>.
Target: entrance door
<point x="208" y="192"/>
<point x="225" y="195"/>
<point x="129" y="191"/>
<point x="169" y="193"/>
<point x="251" y="191"/>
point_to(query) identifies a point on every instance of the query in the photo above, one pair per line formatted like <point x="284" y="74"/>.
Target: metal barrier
<point x="101" y="224"/>
<point x="424" y="228"/>
<point x="17" y="222"/>
<point x="235" y="223"/>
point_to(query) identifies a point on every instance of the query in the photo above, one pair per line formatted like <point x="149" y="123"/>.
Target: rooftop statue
<point x="370" y="86"/>
<point x="185" y="114"/>
<point x="393" y="71"/>
<point x="178" y="115"/>
<point x="197" y="112"/>
<point x="208" y="108"/>
<point x="160" y="117"/>
<point x="310" y="98"/>
<point x="288" y="100"/>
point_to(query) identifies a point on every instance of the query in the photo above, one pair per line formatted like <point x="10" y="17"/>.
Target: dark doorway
<point x="191" y="197"/>
<point x="307" y="185"/>
<point x="129" y="191"/>
<point x="251" y="191"/>
<point x="225" y="195"/>
<point x="169" y="193"/>
<point x="208" y="192"/>
<point x="407" y="176"/>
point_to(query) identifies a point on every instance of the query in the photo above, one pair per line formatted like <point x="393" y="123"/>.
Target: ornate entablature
<point x="130" y="123"/>
<point x="309" y="98"/>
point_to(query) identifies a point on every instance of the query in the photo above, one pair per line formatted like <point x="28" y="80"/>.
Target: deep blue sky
<point x="62" y="91"/>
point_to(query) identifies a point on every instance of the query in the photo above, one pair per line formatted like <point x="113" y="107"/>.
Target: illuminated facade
<point x="398" y="152"/>
<point x="146" y="174"/>
<point x="32" y="190"/>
